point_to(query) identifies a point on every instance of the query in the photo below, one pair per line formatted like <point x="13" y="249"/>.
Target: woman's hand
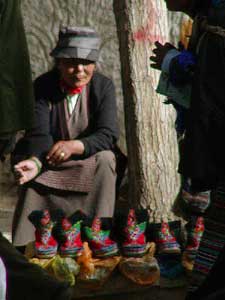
<point x="63" y="150"/>
<point x="26" y="170"/>
<point x="159" y="53"/>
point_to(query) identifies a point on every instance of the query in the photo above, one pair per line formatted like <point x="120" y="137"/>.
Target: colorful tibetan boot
<point x="132" y="226"/>
<point x="98" y="235"/>
<point x="166" y="241"/>
<point x="195" y="229"/>
<point x="45" y="243"/>
<point x="68" y="234"/>
<point x="138" y="263"/>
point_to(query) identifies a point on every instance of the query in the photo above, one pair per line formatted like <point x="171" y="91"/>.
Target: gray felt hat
<point x="77" y="42"/>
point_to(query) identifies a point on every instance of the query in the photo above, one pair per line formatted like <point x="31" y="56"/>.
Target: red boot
<point x="195" y="229"/>
<point x="99" y="239"/>
<point x="131" y="227"/>
<point x="68" y="233"/>
<point x="134" y="243"/>
<point x="45" y="243"/>
<point x="165" y="240"/>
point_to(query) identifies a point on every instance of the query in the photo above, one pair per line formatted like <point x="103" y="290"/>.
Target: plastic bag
<point x="63" y="268"/>
<point x="144" y="270"/>
<point x="94" y="272"/>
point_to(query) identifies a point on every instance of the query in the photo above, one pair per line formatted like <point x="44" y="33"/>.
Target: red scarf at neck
<point x="70" y="90"/>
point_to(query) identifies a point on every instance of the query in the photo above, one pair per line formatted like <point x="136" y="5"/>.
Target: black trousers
<point x="213" y="287"/>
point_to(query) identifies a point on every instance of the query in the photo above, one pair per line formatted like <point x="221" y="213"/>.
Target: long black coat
<point x="16" y="92"/>
<point x="204" y="152"/>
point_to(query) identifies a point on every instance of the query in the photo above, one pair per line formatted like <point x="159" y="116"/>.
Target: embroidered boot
<point x="68" y="234"/>
<point x="45" y="243"/>
<point x="165" y="241"/>
<point x="132" y="226"/>
<point x="138" y="263"/>
<point x="195" y="229"/>
<point x="98" y="235"/>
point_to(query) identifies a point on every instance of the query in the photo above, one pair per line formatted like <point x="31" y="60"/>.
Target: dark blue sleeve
<point x="182" y="68"/>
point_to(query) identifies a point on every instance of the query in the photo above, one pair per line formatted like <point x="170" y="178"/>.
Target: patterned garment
<point x="213" y="240"/>
<point x="74" y="176"/>
<point x="190" y="203"/>
<point x="196" y="202"/>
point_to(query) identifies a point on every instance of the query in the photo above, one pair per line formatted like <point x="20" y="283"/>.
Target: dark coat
<point x="16" y="92"/>
<point x="203" y="157"/>
<point x="102" y="131"/>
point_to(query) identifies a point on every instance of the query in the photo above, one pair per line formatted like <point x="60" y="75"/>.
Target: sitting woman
<point x="66" y="160"/>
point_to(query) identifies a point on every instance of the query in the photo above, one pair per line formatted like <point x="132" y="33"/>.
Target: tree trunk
<point x="151" y="138"/>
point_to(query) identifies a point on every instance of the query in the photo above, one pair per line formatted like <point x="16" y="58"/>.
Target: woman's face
<point x="177" y="5"/>
<point x="76" y="72"/>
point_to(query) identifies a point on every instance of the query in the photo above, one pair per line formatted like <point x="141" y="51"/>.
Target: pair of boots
<point x="57" y="233"/>
<point x="167" y="243"/>
<point x="128" y="229"/>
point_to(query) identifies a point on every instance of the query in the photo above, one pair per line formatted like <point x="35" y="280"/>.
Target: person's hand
<point x="26" y="170"/>
<point x="62" y="151"/>
<point x="159" y="53"/>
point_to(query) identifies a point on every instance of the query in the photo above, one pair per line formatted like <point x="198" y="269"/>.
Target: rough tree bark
<point x="151" y="138"/>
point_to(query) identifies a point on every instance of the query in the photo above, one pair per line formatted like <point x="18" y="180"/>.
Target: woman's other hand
<point x="63" y="150"/>
<point x="159" y="54"/>
<point x="27" y="170"/>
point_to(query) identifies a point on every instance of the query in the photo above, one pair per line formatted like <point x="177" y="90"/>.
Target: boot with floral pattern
<point x="68" y="234"/>
<point x="98" y="235"/>
<point x="45" y="243"/>
<point x="166" y="241"/>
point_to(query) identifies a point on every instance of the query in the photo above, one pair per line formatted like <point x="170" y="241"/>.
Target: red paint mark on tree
<point x="149" y="32"/>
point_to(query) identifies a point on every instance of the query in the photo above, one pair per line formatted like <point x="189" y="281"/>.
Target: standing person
<point x="67" y="159"/>
<point x="203" y="161"/>
<point x="16" y="92"/>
